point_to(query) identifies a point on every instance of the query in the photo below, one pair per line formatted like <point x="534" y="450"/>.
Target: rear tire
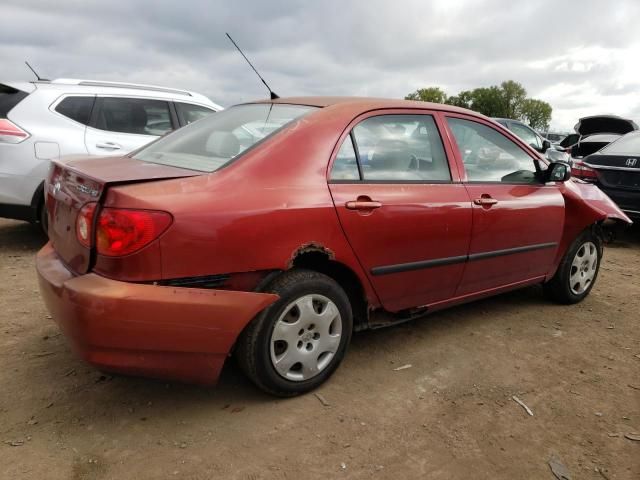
<point x="297" y="343"/>
<point x="578" y="270"/>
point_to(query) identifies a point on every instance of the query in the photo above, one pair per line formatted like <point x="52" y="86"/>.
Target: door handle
<point x="363" y="203"/>
<point x="485" y="200"/>
<point x="108" y="146"/>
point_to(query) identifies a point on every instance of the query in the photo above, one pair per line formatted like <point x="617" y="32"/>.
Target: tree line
<point x="507" y="100"/>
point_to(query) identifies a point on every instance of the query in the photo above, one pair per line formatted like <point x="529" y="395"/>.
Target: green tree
<point x="537" y="113"/>
<point x="507" y="100"/>
<point x="513" y="97"/>
<point x="429" y="94"/>
<point x="464" y="99"/>
<point x="488" y="101"/>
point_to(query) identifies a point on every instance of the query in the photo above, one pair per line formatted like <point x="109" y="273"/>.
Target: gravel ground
<point x="450" y="415"/>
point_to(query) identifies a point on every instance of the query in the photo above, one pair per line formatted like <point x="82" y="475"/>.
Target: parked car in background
<point x="554" y="138"/>
<point x="615" y="168"/>
<point x="164" y="262"/>
<point x="594" y="133"/>
<point x="526" y="133"/>
<point x="46" y="120"/>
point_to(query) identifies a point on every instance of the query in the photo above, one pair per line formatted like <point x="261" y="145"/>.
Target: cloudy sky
<point x="580" y="56"/>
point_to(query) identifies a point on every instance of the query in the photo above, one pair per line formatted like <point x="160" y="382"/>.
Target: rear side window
<point x="134" y="115"/>
<point x="76" y="108"/>
<point x="345" y="166"/>
<point x="9" y="98"/>
<point x="627" y="145"/>
<point x="401" y="148"/>
<point x="188" y="113"/>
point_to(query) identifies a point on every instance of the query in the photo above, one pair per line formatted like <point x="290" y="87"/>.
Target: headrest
<point x="223" y="144"/>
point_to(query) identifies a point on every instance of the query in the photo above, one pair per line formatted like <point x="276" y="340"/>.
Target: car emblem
<point x="56" y="188"/>
<point x="631" y="162"/>
<point x="87" y="190"/>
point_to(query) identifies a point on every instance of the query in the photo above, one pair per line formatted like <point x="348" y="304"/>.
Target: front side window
<point x="401" y="148"/>
<point x="216" y="140"/>
<point x="134" y="115"/>
<point x="526" y="134"/>
<point x="189" y="113"/>
<point x="76" y="108"/>
<point x="489" y="156"/>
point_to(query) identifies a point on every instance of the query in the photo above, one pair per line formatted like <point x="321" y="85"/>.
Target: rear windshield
<point x="9" y="98"/>
<point x="214" y="141"/>
<point x="627" y="145"/>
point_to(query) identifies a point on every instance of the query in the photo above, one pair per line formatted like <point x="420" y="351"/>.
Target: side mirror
<point x="546" y="145"/>
<point x="558" y="172"/>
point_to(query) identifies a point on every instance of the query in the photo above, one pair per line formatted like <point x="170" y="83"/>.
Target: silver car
<point x="45" y="120"/>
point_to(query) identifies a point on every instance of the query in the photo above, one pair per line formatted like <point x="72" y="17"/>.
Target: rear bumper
<point x="181" y="334"/>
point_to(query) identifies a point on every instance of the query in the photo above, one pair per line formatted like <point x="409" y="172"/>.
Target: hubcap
<point x="583" y="268"/>
<point x="306" y="337"/>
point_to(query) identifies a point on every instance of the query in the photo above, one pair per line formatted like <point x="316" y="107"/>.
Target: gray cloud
<point x="577" y="55"/>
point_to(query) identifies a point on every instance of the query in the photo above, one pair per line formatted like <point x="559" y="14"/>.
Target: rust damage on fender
<point x="311" y="247"/>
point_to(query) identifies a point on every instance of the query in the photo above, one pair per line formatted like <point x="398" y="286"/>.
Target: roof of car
<point x="74" y="85"/>
<point x="369" y="103"/>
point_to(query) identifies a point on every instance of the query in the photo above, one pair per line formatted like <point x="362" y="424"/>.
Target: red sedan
<point x="275" y="229"/>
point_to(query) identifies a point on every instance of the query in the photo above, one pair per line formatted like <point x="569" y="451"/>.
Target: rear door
<point x="402" y="207"/>
<point x="120" y="125"/>
<point x="517" y="221"/>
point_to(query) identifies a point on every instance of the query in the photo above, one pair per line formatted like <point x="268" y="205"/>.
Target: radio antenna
<point x="36" y="73"/>
<point x="273" y="94"/>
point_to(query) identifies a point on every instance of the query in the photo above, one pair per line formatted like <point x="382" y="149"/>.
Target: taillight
<point x="123" y="231"/>
<point x="84" y="224"/>
<point x="581" y="170"/>
<point x="120" y="231"/>
<point x="10" y="132"/>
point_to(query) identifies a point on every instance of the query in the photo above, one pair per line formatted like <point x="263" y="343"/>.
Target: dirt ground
<point x="450" y="415"/>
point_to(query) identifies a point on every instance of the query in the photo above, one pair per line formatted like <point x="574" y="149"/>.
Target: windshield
<point x="214" y="141"/>
<point x="627" y="145"/>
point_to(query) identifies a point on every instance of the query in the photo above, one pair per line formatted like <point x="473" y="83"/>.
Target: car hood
<point x="604" y="124"/>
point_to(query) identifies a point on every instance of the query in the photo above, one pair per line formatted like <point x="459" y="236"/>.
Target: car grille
<point x="619" y="179"/>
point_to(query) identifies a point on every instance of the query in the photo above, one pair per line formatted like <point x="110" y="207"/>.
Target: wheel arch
<point x="321" y="260"/>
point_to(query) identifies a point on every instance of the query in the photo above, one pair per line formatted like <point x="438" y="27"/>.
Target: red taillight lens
<point x="84" y="224"/>
<point x="10" y="132"/>
<point x="122" y="231"/>
<point x="580" y="170"/>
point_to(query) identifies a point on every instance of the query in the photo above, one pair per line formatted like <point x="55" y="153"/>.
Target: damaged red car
<point x="273" y="230"/>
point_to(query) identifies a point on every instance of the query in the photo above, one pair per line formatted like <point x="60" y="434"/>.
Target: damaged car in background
<point x="276" y="246"/>
<point x="615" y="169"/>
<point x="592" y="134"/>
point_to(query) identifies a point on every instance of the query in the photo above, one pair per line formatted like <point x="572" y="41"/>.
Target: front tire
<point x="298" y="342"/>
<point x="578" y="270"/>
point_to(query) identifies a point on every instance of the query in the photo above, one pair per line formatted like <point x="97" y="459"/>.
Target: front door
<point x="405" y="214"/>
<point x="517" y="220"/>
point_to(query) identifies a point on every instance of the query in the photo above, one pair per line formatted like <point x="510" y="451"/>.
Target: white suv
<point x="45" y="120"/>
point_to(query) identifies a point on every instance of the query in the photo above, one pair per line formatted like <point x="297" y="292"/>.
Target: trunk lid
<point x="604" y="124"/>
<point x="73" y="183"/>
